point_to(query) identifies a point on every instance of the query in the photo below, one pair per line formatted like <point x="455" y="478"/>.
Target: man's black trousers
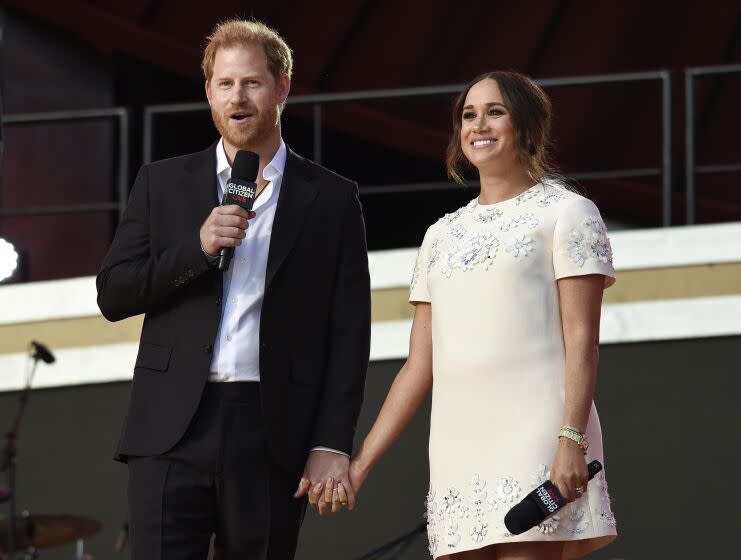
<point x="218" y="480"/>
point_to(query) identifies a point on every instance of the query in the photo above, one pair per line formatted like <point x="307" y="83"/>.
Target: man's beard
<point x="250" y="136"/>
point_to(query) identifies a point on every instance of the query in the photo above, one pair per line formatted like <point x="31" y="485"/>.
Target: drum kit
<point x="33" y="533"/>
<point x="22" y="537"/>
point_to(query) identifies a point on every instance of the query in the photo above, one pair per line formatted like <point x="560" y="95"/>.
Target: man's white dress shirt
<point x="236" y="354"/>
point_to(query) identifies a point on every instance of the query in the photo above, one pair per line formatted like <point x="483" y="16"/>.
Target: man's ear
<point x="207" y="86"/>
<point x="284" y="88"/>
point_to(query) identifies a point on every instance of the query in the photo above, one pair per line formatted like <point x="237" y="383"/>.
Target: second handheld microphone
<point x="542" y="502"/>
<point x="241" y="190"/>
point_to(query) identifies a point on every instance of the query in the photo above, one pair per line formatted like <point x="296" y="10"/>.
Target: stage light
<point x="8" y="259"/>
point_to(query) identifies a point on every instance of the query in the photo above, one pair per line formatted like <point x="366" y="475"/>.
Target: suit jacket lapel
<point x="200" y="183"/>
<point x="200" y="193"/>
<point x="297" y="192"/>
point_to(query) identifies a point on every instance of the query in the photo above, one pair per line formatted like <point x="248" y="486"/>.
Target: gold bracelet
<point x="567" y="427"/>
<point x="573" y="430"/>
<point x="576" y="436"/>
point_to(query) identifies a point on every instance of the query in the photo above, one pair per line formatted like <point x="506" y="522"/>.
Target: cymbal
<point x="47" y="531"/>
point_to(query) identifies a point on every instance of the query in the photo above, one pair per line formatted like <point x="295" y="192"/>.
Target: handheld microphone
<point x="241" y="190"/>
<point x="542" y="502"/>
<point x="42" y="353"/>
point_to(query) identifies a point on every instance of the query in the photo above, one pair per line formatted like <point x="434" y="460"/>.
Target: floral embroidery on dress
<point x="591" y="242"/>
<point x="576" y="518"/>
<point x="521" y="246"/>
<point x="478" y="501"/>
<point x="576" y="248"/>
<point x="539" y="476"/>
<point x="451" y="522"/>
<point x="453" y="216"/>
<point x="607" y="517"/>
<point x="549" y="197"/>
<point x="599" y="242"/>
<point x="527" y="195"/>
<point x="479" y="248"/>
<point x="492" y="504"/>
<point x="486" y="215"/>
<point x="431" y="508"/>
<point x="452" y="505"/>
<point x="527" y="219"/>
<point x="508" y="489"/>
<point x="546" y="194"/>
<point x="431" y="543"/>
<point x="451" y="501"/>
<point x="463" y="511"/>
<point x="549" y="526"/>
<point x="457" y="231"/>
<point x="452" y="538"/>
<point x="415" y="274"/>
<point x="434" y="254"/>
<point x="478" y="496"/>
<point x="580" y="527"/>
<point x="478" y="531"/>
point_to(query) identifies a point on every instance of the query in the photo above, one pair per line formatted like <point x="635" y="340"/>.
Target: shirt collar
<point x="272" y="171"/>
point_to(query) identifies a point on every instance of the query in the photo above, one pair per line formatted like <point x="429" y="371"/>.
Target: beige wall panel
<point x="391" y="305"/>
<point x="655" y="284"/>
<point x="69" y="333"/>
<point x="675" y="282"/>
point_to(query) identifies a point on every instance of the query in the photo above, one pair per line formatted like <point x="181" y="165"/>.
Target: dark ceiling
<point x="352" y="45"/>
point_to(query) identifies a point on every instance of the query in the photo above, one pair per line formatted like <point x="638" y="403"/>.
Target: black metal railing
<point x="318" y="101"/>
<point x="122" y="175"/>
<point x="690" y="167"/>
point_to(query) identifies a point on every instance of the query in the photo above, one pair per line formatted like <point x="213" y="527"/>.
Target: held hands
<point x="224" y="227"/>
<point x="326" y="482"/>
<point x="569" y="472"/>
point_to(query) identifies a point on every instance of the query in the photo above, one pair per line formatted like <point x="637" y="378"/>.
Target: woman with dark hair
<point x="508" y="291"/>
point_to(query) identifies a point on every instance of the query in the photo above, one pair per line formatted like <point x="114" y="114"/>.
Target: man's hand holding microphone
<point x="226" y="226"/>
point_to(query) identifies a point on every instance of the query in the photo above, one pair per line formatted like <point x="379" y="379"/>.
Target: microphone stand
<point x="404" y="542"/>
<point x="10" y="452"/>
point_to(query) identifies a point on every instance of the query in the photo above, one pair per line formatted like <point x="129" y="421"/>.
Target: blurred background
<point x="646" y="123"/>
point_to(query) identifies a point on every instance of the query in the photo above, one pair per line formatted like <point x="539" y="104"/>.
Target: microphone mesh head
<point x="246" y="165"/>
<point x="523" y="516"/>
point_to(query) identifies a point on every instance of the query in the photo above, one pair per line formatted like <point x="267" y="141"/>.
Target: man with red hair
<point x="248" y="383"/>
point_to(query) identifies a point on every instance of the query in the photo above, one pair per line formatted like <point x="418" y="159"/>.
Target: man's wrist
<point x="210" y="259"/>
<point x="208" y="254"/>
<point x="321" y="448"/>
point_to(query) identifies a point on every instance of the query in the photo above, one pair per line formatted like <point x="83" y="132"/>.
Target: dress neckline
<point x="475" y="202"/>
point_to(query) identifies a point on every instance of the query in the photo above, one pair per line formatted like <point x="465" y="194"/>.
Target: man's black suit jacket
<point x="315" y="320"/>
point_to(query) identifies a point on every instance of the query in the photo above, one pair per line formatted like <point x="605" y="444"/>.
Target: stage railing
<point x="121" y="114"/>
<point x="691" y="169"/>
<point x="319" y="100"/>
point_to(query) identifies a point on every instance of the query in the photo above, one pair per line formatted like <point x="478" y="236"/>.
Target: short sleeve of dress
<point x="418" y="289"/>
<point x="580" y="242"/>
